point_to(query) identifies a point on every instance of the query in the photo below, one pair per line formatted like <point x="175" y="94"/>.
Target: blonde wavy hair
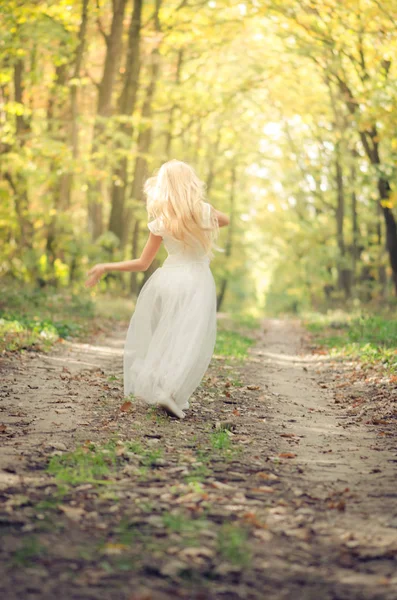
<point x="176" y="196"/>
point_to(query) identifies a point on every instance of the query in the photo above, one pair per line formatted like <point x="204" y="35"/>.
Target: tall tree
<point x="113" y="42"/>
<point x="126" y="107"/>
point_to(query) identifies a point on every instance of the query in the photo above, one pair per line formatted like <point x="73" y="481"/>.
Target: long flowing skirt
<point x="172" y="334"/>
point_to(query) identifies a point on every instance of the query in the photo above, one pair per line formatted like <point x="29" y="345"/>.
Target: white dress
<point x="172" y="333"/>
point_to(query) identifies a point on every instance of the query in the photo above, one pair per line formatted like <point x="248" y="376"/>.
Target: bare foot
<point x="172" y="408"/>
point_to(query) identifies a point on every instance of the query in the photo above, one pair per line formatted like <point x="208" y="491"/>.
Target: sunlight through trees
<point x="286" y="108"/>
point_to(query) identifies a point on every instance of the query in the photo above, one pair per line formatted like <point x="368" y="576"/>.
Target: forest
<point x="286" y="109"/>
<point x="276" y="480"/>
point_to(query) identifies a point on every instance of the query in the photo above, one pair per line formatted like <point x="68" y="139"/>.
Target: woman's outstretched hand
<point x="94" y="275"/>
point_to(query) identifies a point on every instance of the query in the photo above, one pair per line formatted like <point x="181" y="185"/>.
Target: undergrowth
<point x="37" y="318"/>
<point x="368" y="338"/>
<point x="231" y="344"/>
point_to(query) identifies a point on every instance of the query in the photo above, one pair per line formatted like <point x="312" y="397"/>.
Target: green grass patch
<point x="97" y="464"/>
<point x="233" y="544"/>
<point x="150" y="457"/>
<point x="246" y="320"/>
<point x="134" y="447"/>
<point x="114" y="307"/>
<point x="20" y="332"/>
<point x="220" y="440"/>
<point x="179" y="523"/>
<point x="87" y="464"/>
<point x="29" y="551"/>
<point x="36" y="318"/>
<point x="231" y="344"/>
<point x="198" y="473"/>
<point x="370" y="339"/>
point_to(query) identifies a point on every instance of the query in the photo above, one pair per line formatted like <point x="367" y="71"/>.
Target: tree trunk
<point x="17" y="181"/>
<point x="66" y="184"/>
<point x="126" y="106"/>
<point x="141" y="163"/>
<point x="144" y="141"/>
<point x="354" y="216"/>
<point x="369" y="139"/>
<point x="211" y="169"/>
<point x="143" y="144"/>
<point x="391" y="227"/>
<point x="229" y="239"/>
<point x="135" y="247"/>
<point x="344" y="274"/>
<point x="171" y="118"/>
<point x="104" y="105"/>
<point x="62" y="124"/>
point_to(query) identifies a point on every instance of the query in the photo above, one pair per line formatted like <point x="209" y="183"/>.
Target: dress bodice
<point x="178" y="252"/>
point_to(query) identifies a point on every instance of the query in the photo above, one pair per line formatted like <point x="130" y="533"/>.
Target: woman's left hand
<point x="95" y="274"/>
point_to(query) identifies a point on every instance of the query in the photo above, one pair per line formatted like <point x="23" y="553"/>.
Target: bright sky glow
<point x="277" y="186"/>
<point x="312" y="183"/>
<point x="269" y="149"/>
<point x="273" y="129"/>
<point x="312" y="153"/>
<point x="257" y="171"/>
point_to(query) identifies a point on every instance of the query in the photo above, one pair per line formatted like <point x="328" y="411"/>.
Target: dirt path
<point x="270" y="488"/>
<point x="51" y="400"/>
<point x="342" y="462"/>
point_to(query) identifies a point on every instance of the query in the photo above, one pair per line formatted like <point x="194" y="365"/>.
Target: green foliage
<point x="220" y="440"/>
<point x="246" y="320"/>
<point x="30" y="549"/>
<point x="233" y="544"/>
<point x="265" y="139"/>
<point x="149" y="458"/>
<point x="198" y="473"/>
<point x="97" y="463"/>
<point x="21" y="333"/>
<point x="90" y="463"/>
<point x="32" y="318"/>
<point x="180" y="523"/>
<point x="232" y="344"/>
<point x="134" y="447"/>
<point x="371" y="339"/>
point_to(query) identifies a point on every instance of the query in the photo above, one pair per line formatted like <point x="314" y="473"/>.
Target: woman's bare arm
<point x="223" y="219"/>
<point x="139" y="264"/>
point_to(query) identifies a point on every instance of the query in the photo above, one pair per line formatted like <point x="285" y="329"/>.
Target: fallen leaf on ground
<point x="173" y="568"/>
<point x="71" y="512"/>
<point x="264" y="489"/>
<point x="142" y="595"/>
<point x="114" y="549"/>
<point x="197" y="552"/>
<point x="252" y="519"/>
<point x="287" y="455"/>
<point x="267" y="476"/>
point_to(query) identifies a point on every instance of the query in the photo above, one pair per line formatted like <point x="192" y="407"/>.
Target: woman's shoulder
<point x="156" y="227"/>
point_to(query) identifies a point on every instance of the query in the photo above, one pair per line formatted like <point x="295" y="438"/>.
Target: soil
<point x="280" y="484"/>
